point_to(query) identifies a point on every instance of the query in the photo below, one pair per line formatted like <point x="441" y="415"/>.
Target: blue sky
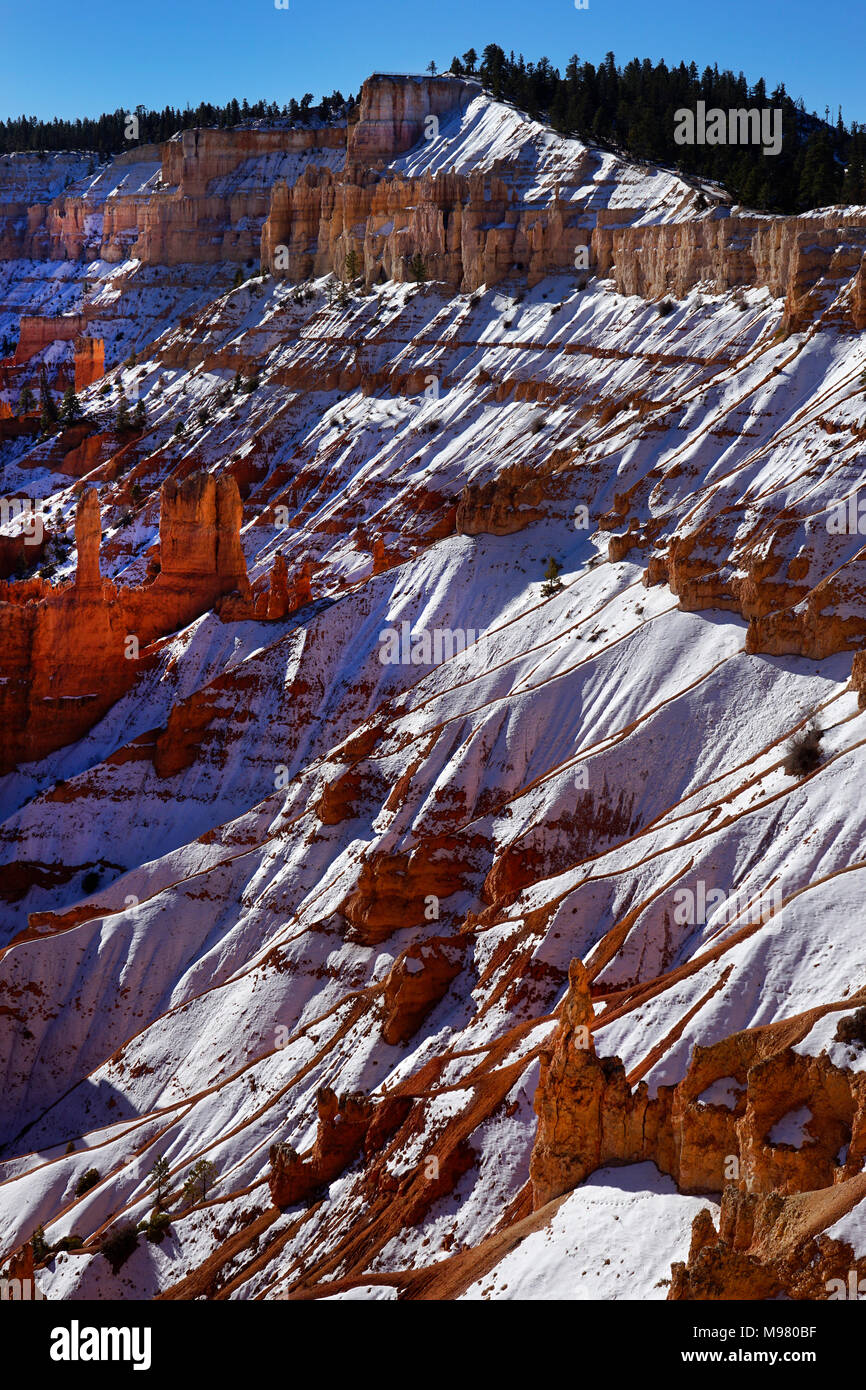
<point x="68" y="59"/>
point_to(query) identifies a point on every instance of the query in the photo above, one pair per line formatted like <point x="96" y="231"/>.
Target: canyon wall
<point x="788" y="255"/>
<point x="719" y="1130"/>
<point x="394" y="110"/>
<point x="71" y="651"/>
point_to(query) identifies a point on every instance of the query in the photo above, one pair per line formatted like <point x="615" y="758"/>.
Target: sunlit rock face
<point x="431" y="699"/>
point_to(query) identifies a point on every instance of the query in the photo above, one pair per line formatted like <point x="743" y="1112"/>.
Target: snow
<point x="725" y="1090"/>
<point x="791" y="1128"/>
<point x="614" y="1237"/>
<point x="634" y="747"/>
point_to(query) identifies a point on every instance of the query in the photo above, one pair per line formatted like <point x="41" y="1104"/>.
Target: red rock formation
<point x="20" y="550"/>
<point x="499" y="508"/>
<point x="66" y="655"/>
<point x="589" y="1115"/>
<point x="88" y="536"/>
<point x="342" y="1128"/>
<point x="858" y="677"/>
<point x="200" y="554"/>
<point x="393" y="110"/>
<point x="417" y="980"/>
<point x="770" y="1246"/>
<point x="599" y="818"/>
<point x="279" y="603"/>
<point x="708" y="568"/>
<point x="831" y="618"/>
<point x="93" y="450"/>
<point x="787" y="254"/>
<point x="470" y="230"/>
<point x="393" y="889"/>
<point x="38" y="331"/>
<point x="284" y="598"/>
<point x="89" y="361"/>
<point x="349" y="794"/>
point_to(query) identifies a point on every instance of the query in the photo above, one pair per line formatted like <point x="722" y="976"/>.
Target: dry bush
<point x="804" y="752"/>
<point x="852" y="1028"/>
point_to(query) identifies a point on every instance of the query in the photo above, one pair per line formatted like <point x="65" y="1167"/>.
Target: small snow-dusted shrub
<point x="156" y="1228"/>
<point x="804" y="752"/>
<point x="72" y="1242"/>
<point x="39" y="1245"/>
<point x="665" y="307"/>
<point x="852" y="1028"/>
<point x="118" y="1244"/>
<point x="86" y="1181"/>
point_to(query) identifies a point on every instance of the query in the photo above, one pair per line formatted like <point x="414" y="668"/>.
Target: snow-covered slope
<point x="372" y="876"/>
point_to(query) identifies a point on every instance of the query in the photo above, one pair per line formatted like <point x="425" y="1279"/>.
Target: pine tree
<point x="139" y="419"/>
<point x="39" y="1244"/>
<point x="418" y="268"/>
<point x="70" y="407"/>
<point x="46" y="400"/>
<point x="352" y="266"/>
<point x="552" y="583"/>
<point x="159" y="1175"/>
<point x="199" y="1178"/>
<point x="818" y="180"/>
<point x="121" y="421"/>
<point x="26" y="401"/>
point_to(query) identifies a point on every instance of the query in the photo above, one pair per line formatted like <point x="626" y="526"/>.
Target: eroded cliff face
<point x="301" y="200"/>
<point x="590" y="1115"/>
<point x="802" y="259"/>
<point x="72" y="650"/>
<point x="393" y="113"/>
<point x="395" y="832"/>
<point x="771" y="1246"/>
